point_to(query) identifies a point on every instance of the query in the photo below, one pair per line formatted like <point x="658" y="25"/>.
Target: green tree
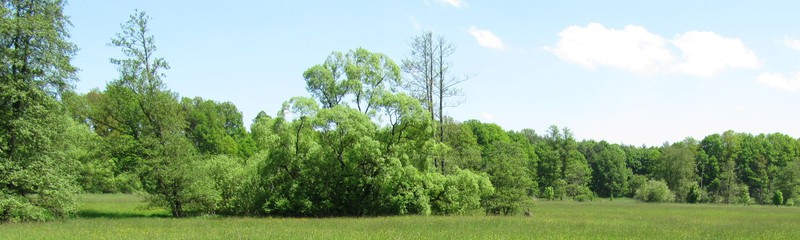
<point x="327" y="82"/>
<point x="610" y="173"/>
<point x="677" y="167"/>
<point x="216" y="128"/>
<point x="363" y="74"/>
<point x="404" y="135"/>
<point x="561" y="153"/>
<point x="37" y="172"/>
<point x="153" y="121"/>
<point x="753" y="165"/>
<point x="506" y="165"/>
<point x="464" y="151"/>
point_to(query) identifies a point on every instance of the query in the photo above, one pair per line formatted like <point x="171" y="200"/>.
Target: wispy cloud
<point x="415" y="23"/>
<point x="486" y="38"/>
<point x="637" y="50"/>
<point x="779" y="81"/>
<point x="487" y="117"/>
<point x="454" y="3"/>
<point x="792" y="43"/>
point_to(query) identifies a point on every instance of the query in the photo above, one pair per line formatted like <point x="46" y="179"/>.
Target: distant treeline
<point x="367" y="142"/>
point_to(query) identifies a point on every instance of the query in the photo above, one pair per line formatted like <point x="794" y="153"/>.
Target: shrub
<point x="695" y="194"/>
<point x="461" y="193"/>
<point x="777" y="198"/>
<point x="744" y="195"/>
<point x="655" y="191"/>
<point x="549" y="193"/>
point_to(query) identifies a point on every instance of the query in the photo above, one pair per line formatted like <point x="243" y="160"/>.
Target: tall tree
<point x="36" y="173"/>
<point x="155" y="120"/>
<point x="432" y="81"/>
<point x="609" y="173"/>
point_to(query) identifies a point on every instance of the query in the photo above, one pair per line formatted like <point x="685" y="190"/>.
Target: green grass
<point x="121" y="217"/>
<point x="117" y="206"/>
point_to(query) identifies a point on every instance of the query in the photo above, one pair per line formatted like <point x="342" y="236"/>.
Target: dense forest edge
<point x="371" y="139"/>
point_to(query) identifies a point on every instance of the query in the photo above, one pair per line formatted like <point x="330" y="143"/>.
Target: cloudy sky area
<point x="628" y="72"/>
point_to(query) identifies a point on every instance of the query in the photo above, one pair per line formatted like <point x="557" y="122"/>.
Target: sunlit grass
<point x="121" y="217"/>
<point x="116" y="206"/>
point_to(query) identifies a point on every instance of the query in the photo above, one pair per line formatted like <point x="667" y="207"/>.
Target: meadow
<point x="124" y="217"/>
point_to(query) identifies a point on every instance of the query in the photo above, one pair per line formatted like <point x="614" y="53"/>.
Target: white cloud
<point x="487" y="116"/>
<point x="633" y="48"/>
<point x="792" y="43"/>
<point x="486" y="38"/>
<point x="454" y="3"/>
<point x="637" y="50"/>
<point x="779" y="81"/>
<point x="706" y="53"/>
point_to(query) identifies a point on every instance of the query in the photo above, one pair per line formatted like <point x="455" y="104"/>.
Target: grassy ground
<point x="121" y="217"/>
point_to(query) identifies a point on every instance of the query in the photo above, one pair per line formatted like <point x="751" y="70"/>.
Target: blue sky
<point x="633" y="72"/>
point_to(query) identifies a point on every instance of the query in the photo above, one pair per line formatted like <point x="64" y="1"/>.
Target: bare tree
<point x="431" y="80"/>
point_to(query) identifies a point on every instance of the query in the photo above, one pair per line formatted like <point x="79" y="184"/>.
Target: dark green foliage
<point x="609" y="172"/>
<point x="677" y="167"/>
<point x="217" y="128"/>
<point x="695" y="195"/>
<point x="506" y="166"/>
<point x="777" y="198"/>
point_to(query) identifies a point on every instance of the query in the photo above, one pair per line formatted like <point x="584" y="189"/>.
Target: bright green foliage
<point x="654" y="191"/>
<point x="406" y="129"/>
<point x="223" y="184"/>
<point x="327" y="82"/>
<point x="38" y="140"/>
<point x="335" y="161"/>
<point x="264" y="137"/>
<point x="461" y="192"/>
<point x="364" y="75"/>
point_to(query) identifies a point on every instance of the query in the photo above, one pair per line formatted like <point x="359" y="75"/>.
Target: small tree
<point x="777" y="198"/>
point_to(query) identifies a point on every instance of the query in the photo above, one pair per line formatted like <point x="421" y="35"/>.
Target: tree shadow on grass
<point x="118" y="215"/>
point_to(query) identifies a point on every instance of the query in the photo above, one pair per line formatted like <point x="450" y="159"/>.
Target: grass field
<point x="122" y="217"/>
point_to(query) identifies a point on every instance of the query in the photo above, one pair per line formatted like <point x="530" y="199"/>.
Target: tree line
<point x="365" y="142"/>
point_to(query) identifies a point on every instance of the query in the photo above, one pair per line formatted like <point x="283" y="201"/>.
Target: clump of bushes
<point x="654" y="191"/>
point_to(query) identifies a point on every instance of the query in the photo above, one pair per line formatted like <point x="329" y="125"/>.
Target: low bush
<point x="654" y="191"/>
